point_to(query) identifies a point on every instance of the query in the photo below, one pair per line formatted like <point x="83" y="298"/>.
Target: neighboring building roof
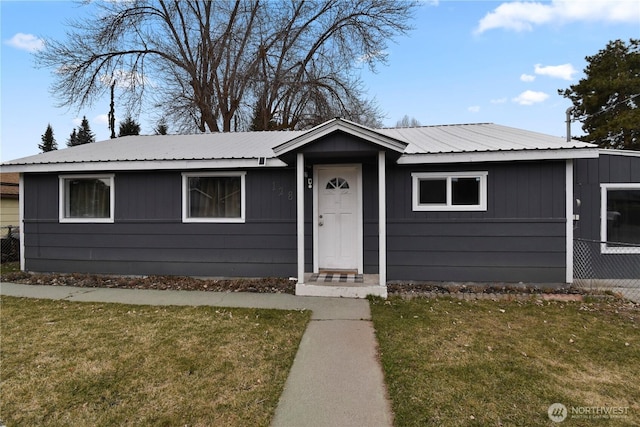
<point x="429" y="144"/>
<point x="10" y="185"/>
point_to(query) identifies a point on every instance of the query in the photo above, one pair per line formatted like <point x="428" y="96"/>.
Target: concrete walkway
<point x="336" y="378"/>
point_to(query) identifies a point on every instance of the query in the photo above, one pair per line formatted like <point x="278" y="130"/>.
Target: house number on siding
<point x="280" y="191"/>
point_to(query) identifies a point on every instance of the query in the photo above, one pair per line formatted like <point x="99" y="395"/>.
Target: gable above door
<point x="340" y="137"/>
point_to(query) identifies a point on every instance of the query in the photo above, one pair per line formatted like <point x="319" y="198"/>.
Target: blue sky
<point x="465" y="62"/>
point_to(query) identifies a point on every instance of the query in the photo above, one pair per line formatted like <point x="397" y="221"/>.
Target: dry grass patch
<point x="78" y="364"/>
<point x="457" y="363"/>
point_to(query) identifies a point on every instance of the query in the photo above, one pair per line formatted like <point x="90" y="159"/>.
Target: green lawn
<point x="80" y="364"/>
<point x="485" y="363"/>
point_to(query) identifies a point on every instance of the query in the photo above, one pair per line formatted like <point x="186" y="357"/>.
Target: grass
<point x="78" y="364"/>
<point x="485" y="363"/>
<point x="9" y="267"/>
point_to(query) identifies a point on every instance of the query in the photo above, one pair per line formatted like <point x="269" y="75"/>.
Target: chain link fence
<point x="615" y="272"/>
<point x="10" y="242"/>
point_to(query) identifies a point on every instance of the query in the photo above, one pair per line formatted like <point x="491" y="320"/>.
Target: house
<point x="9" y="192"/>
<point x="9" y="216"/>
<point x="337" y="203"/>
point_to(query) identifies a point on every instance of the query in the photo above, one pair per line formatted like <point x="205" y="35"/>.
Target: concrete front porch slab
<point x="369" y="286"/>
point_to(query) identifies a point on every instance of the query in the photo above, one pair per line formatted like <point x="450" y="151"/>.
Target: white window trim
<point x="185" y="196"/>
<point x="417" y="176"/>
<point x="603" y="219"/>
<point x="62" y="199"/>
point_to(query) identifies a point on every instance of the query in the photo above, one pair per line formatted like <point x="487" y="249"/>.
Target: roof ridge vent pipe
<point x="569" y="110"/>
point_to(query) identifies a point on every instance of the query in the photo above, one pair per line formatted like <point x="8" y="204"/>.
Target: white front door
<point x="338" y="221"/>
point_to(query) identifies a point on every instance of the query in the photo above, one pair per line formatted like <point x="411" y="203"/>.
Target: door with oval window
<point x="338" y="221"/>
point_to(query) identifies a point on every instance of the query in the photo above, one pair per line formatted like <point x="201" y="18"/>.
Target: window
<point x="337" y="183"/>
<point x="455" y="191"/>
<point x="86" y="198"/>
<point x="213" y="197"/>
<point x="620" y="218"/>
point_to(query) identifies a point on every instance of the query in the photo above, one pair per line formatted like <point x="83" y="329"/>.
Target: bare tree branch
<point x="226" y="65"/>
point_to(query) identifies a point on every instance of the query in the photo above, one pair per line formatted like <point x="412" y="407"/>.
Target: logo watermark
<point x="558" y="412"/>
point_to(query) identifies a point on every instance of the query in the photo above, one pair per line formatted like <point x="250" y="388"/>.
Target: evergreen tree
<point x="162" y="128"/>
<point x="85" y="136"/>
<point x="129" y="127"/>
<point x="262" y="119"/>
<point x="48" y="141"/>
<point x="607" y="99"/>
<point x="73" y="139"/>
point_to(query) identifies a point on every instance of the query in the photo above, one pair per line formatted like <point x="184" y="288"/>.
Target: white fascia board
<point x="498" y="156"/>
<point x="344" y="126"/>
<point x="627" y="153"/>
<point x="137" y="165"/>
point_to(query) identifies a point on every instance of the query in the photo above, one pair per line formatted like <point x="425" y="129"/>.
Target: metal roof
<point x="469" y="138"/>
<point x="446" y="143"/>
<point x="233" y="145"/>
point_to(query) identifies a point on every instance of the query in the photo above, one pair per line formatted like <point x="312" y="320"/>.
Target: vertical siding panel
<point x="622" y="170"/>
<point x="534" y="192"/>
<point x="635" y="169"/>
<point x="560" y="194"/>
<point x="522" y="192"/>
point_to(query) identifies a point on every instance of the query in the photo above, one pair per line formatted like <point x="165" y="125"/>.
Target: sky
<point x="464" y="62"/>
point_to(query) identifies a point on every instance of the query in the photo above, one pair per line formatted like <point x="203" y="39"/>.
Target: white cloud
<point x="530" y="97"/>
<point x="527" y="78"/>
<point x="101" y="119"/>
<point x="27" y="42"/>
<point x="523" y="16"/>
<point x="564" y="71"/>
<point x="474" y="109"/>
<point x="498" y="101"/>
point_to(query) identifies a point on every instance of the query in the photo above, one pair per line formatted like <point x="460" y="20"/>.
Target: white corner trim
<point x="300" y="215"/>
<point x="569" y="219"/>
<point x="382" y="219"/>
<point x="315" y="225"/>
<point x="21" y="220"/>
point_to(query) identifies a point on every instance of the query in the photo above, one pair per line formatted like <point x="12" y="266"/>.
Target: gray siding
<point x="588" y="175"/>
<point x="521" y="236"/>
<point x="148" y="236"/>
